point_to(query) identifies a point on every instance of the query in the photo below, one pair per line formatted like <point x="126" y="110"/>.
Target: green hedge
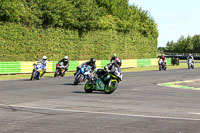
<point x="20" y="43"/>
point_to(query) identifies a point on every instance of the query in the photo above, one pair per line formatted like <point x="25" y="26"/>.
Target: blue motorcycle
<point x="38" y="70"/>
<point x="82" y="74"/>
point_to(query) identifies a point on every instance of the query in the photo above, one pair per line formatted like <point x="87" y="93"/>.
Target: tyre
<point x="33" y="75"/>
<point x="88" y="87"/>
<point x="160" y="67"/>
<point x="189" y="66"/>
<point x="78" y="79"/>
<point x="192" y="66"/>
<point x="56" y="73"/>
<point x="37" y="75"/>
<point x="113" y="86"/>
<point x="75" y="82"/>
<point x="63" y="74"/>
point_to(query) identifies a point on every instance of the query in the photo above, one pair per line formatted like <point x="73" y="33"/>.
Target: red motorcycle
<point x="162" y="66"/>
<point x="60" y="70"/>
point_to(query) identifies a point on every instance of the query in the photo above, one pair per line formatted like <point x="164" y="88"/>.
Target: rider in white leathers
<point x="44" y="62"/>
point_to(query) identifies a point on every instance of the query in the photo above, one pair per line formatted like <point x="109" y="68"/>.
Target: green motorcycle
<point x="106" y="81"/>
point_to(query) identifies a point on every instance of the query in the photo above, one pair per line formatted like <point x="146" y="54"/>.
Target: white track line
<point x="194" y="113"/>
<point x="103" y="113"/>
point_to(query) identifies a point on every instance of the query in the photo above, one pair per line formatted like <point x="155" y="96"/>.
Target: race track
<point x="139" y="105"/>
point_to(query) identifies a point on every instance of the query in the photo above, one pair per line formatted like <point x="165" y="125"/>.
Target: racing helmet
<point x="44" y="58"/>
<point x="118" y="62"/>
<point x="92" y="60"/>
<point x="66" y="58"/>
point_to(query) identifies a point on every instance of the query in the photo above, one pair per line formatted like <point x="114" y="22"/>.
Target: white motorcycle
<point x="190" y="64"/>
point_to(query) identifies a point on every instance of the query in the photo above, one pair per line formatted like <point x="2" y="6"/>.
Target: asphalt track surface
<point x="139" y="105"/>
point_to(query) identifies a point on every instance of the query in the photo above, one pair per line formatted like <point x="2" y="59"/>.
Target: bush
<point x="21" y="43"/>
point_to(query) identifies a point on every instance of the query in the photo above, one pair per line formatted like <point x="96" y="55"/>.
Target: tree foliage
<point x="81" y="15"/>
<point x="184" y="45"/>
<point x="83" y="18"/>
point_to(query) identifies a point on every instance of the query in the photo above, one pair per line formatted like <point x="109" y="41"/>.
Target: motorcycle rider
<point x="89" y="63"/>
<point x="115" y="64"/>
<point x="65" y="62"/>
<point x="115" y="57"/>
<point x="110" y="68"/>
<point x="163" y="59"/>
<point x="190" y="57"/>
<point x="44" y="62"/>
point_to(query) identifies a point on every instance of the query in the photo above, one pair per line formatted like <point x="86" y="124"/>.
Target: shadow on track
<point x="71" y="84"/>
<point x="94" y="92"/>
<point x="26" y="79"/>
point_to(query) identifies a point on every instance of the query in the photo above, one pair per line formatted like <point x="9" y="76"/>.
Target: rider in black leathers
<point x="65" y="62"/>
<point x="110" y="67"/>
<point x="116" y="64"/>
<point x="89" y="63"/>
<point x="115" y="57"/>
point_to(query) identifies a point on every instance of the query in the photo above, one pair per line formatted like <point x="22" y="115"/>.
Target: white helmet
<point x="44" y="58"/>
<point x="115" y="55"/>
<point x="162" y="54"/>
<point x="190" y="54"/>
<point x="66" y="57"/>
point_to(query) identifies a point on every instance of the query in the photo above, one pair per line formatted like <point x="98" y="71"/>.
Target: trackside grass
<point x="149" y="68"/>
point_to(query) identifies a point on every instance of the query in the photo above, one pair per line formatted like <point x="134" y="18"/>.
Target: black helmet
<point x="92" y="60"/>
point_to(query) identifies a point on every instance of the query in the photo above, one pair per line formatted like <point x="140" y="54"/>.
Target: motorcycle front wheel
<point x="56" y="73"/>
<point x="160" y="67"/>
<point x="111" y="87"/>
<point x="88" y="87"/>
<point x="192" y="66"/>
<point x="188" y="66"/>
<point x="33" y="75"/>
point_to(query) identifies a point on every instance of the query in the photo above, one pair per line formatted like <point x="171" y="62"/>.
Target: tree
<point x="86" y="14"/>
<point x="161" y="49"/>
<point x="185" y="45"/>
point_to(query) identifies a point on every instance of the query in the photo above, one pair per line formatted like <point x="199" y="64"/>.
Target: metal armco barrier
<point x="27" y="66"/>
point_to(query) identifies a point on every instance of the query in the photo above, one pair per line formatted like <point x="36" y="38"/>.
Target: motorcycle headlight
<point x="108" y="76"/>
